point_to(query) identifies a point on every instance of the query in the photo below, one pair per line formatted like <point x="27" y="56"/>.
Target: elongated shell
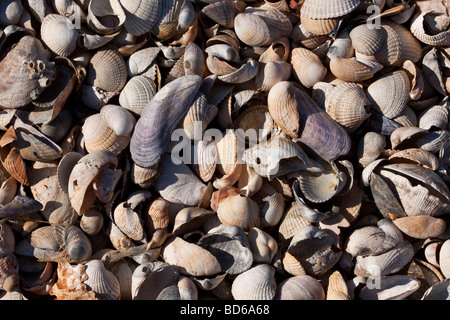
<point x="190" y="258"/>
<point x="257" y="283"/>
<point x="59" y="34"/>
<point x="160" y="117"/>
<point x="102" y="281"/>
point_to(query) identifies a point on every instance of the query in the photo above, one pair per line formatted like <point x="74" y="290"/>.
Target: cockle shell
<point x="444" y="258"/>
<point x="91" y="221"/>
<point x="141" y="16"/>
<point x="418" y="29"/>
<point x="129" y="221"/>
<point x="271" y="73"/>
<point x="194" y="61"/>
<point x="102" y="281"/>
<point x="319" y="26"/>
<point x="221" y="12"/>
<point x="137" y="93"/>
<point x="60" y="242"/>
<point x="302" y="287"/>
<point x="370" y="147"/>
<point x="189" y="258"/>
<point x="272" y="210"/>
<point x="350" y="69"/>
<point x="337" y="287"/>
<point x="198" y="117"/>
<point x="105" y="17"/>
<point x="434" y="117"/>
<point x="421" y="227"/>
<point x="328" y="9"/>
<point x="292" y="221"/>
<point x="263" y="245"/>
<point x="160" y="117"/>
<point x="257" y="283"/>
<point x="369" y="240"/>
<point x="307" y="67"/>
<point x="366" y="40"/>
<point x="59" y="35"/>
<point x="107" y="70"/>
<point x="395" y="287"/>
<point x="27" y="72"/>
<point x="302" y="119"/>
<point x="141" y="60"/>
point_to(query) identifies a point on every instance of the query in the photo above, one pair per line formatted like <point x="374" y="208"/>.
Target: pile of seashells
<point x="343" y="193"/>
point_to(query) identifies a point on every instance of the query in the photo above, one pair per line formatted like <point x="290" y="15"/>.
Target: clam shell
<point x="421" y="227"/>
<point x="105" y="17"/>
<point x="263" y="245"/>
<point x="395" y="287"/>
<point x="107" y="70"/>
<point x="59" y="35"/>
<point x="435" y="117"/>
<point x="198" y="117"/>
<point x="189" y="258"/>
<point x="190" y="219"/>
<point x="231" y="248"/>
<point x="296" y="114"/>
<point x="328" y="9"/>
<point x="159" y="118"/>
<point x="91" y="221"/>
<point x="272" y="210"/>
<point x="128" y="221"/>
<point x="221" y="12"/>
<point x="302" y="287"/>
<point x="141" y="16"/>
<point x="137" y="93"/>
<point x="27" y="72"/>
<point x="257" y="283"/>
<point x="102" y="281"/>
<point x="239" y="210"/>
<point x="246" y="72"/>
<point x="392" y="87"/>
<point x="307" y="67"/>
<point x="157" y="216"/>
<point x="348" y="105"/>
<point x="141" y="60"/>
<point x="194" y="60"/>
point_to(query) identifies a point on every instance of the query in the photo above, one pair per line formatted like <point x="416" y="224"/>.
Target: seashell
<point x="307" y="66"/>
<point x="231" y="248"/>
<point x="257" y="283"/>
<point x="435" y="117"/>
<point x="108" y="130"/>
<point x="141" y="16"/>
<point x="292" y="221"/>
<point x="349" y="69"/>
<point x="366" y="40"/>
<point x="312" y="247"/>
<point x="403" y="135"/>
<point x="319" y="26"/>
<point x="370" y="147"/>
<point x="392" y="87"/>
<point x="444" y="258"/>
<point x="107" y="70"/>
<point x="418" y="29"/>
<point x="279" y="50"/>
<point x="59" y="35"/>
<point x="431" y="67"/>
<point x="128" y="221"/>
<point x="386" y="263"/>
<point x="101" y="281"/>
<point x="189" y="258"/>
<point x="342" y="46"/>
<point x="194" y="60"/>
<point x="369" y="240"/>
<point x="141" y="60"/>
<point x="105" y="17"/>
<point x="8" y="190"/>
<point x="438" y="291"/>
<point x="292" y="266"/>
<point x="395" y="287"/>
<point x="178" y="184"/>
<point x="198" y="117"/>
<point x="45" y="187"/>
<point x="284" y="98"/>
<point x="19" y="206"/>
<point x="258" y="27"/>
<point x="207" y="160"/>
<point x="137" y="93"/>
<point x="263" y="246"/>
<point x="255" y="119"/>
<point x="418" y="156"/>
<point x="421" y="227"/>
<point x="11" y="10"/>
<point x="302" y="287"/>
<point x="337" y="287"/>
<point x="119" y="240"/>
<point x="91" y="221"/>
<point x="273" y="210"/>
<point x="328" y="9"/>
<point x="432" y="141"/>
<point x="221" y="12"/>
<point x="60" y="242"/>
<point x="14" y="165"/>
<point x="348" y="105"/>
<point x="271" y="73"/>
<point x="151" y="278"/>
<point x="94" y="97"/>
<point x="187" y="288"/>
<point x="407" y="118"/>
<point x="151" y="135"/>
<point x="7" y="236"/>
<point x="157" y="216"/>
<point x="240" y="211"/>
<point x="9" y="272"/>
<point x="246" y="72"/>
<point x="83" y="174"/>
<point x="28" y="72"/>
<point x="433" y="194"/>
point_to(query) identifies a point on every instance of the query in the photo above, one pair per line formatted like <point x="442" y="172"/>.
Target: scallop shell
<point x="151" y="134"/>
<point x="137" y="93"/>
<point x="328" y="9"/>
<point x="257" y="283"/>
<point x="102" y="281"/>
<point x="107" y="70"/>
<point x="302" y="287"/>
<point x="59" y="35"/>
<point x="307" y="67"/>
<point x="27" y="71"/>
<point x="392" y="87"/>
<point x="189" y="258"/>
<point x="141" y="16"/>
<point x="348" y="105"/>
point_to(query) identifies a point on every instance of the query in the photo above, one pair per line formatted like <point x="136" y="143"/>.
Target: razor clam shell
<point x="257" y="283"/>
<point x="160" y="117"/>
